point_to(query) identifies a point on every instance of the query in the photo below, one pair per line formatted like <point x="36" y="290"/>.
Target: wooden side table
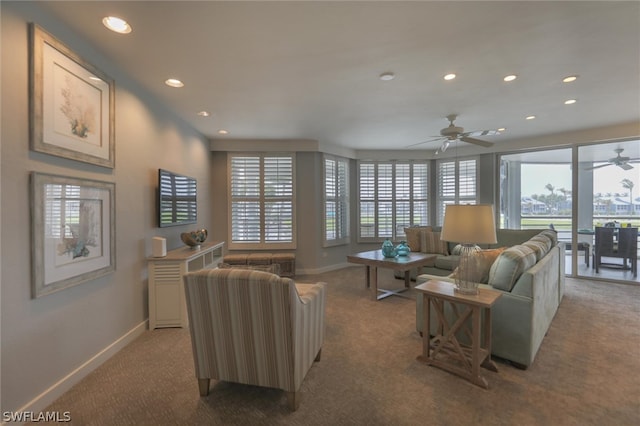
<point x="470" y="358"/>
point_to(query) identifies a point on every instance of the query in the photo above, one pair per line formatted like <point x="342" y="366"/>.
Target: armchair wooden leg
<point x="294" y="400"/>
<point x="317" y="358"/>
<point x="203" y="386"/>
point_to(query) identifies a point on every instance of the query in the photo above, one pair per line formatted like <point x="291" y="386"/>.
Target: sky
<point x="606" y="179"/>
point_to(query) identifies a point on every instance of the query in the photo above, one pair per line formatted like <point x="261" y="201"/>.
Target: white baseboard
<point x="56" y="390"/>
<point x="324" y="269"/>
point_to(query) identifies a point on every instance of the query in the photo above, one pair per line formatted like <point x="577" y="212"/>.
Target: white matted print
<point x="72" y="104"/>
<point x="73" y="231"/>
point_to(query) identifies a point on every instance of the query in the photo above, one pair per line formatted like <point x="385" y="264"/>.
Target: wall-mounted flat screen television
<point x="177" y="199"/>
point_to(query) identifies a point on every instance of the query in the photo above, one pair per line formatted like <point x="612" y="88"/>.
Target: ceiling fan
<point x="620" y="161"/>
<point x="453" y="132"/>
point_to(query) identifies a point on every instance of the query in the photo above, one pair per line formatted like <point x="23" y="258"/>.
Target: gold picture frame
<point x="72" y="103"/>
<point x="72" y="231"/>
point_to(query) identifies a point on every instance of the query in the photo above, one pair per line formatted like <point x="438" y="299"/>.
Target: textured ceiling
<point x="309" y="70"/>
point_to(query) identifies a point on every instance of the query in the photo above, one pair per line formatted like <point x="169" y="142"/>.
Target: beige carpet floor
<point x="587" y="372"/>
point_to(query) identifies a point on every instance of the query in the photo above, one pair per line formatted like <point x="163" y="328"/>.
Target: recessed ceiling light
<point x="94" y="78"/>
<point x="174" y="82"/>
<point x="530" y="117"/>
<point x="116" y="24"/>
<point x="570" y="78"/>
<point x="510" y="77"/>
<point x="223" y="132"/>
<point x="449" y="76"/>
<point x="570" y="101"/>
<point x="204" y="114"/>
<point x="387" y="76"/>
<point x="502" y="129"/>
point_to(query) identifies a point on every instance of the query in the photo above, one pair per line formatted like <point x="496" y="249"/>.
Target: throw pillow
<point x="413" y="236"/>
<point x="483" y="260"/>
<point x="430" y="242"/>
<point x="273" y="268"/>
<point x="540" y="244"/>
<point x="553" y="235"/>
<point x="509" y="265"/>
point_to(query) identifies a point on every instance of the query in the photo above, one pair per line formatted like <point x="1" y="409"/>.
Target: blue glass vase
<point x="403" y="249"/>
<point x="388" y="249"/>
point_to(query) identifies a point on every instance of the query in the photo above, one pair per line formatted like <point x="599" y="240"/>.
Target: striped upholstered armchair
<point x="254" y="327"/>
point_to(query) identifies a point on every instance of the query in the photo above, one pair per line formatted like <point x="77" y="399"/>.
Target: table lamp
<point x="468" y="224"/>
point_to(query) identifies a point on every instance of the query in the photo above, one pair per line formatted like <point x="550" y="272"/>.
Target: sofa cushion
<point x="449" y="262"/>
<point x="430" y="242"/>
<point x="483" y="259"/>
<point x="540" y="244"/>
<point x="509" y="265"/>
<point x="413" y="236"/>
<point x="513" y="237"/>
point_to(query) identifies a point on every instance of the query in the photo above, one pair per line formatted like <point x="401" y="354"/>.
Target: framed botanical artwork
<point x="73" y="231"/>
<point x="72" y="104"/>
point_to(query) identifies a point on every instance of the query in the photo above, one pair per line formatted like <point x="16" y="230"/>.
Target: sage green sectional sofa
<point x="530" y="276"/>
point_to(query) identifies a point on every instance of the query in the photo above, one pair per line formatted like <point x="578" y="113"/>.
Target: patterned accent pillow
<point x="483" y="260"/>
<point x="553" y="236"/>
<point x="508" y="267"/>
<point x="540" y="244"/>
<point x="430" y="242"/>
<point x="273" y="268"/>
<point x="413" y="236"/>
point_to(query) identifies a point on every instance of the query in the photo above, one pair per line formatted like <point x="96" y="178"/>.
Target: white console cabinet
<point x="167" y="305"/>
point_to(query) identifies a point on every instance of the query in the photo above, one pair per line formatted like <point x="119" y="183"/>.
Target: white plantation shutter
<point x="467" y="180"/>
<point x="384" y="187"/>
<point x="367" y="199"/>
<point x="278" y="188"/>
<point x="420" y="194"/>
<point x="262" y="201"/>
<point x="392" y="196"/>
<point x="457" y="183"/>
<point x="336" y="200"/>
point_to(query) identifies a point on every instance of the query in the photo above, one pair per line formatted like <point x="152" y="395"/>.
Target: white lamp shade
<point x="469" y="223"/>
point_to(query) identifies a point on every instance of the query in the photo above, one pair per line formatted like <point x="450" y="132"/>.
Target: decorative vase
<point x="194" y="238"/>
<point x="388" y="250"/>
<point x="403" y="249"/>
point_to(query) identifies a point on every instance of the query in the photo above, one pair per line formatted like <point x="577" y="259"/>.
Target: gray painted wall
<point x="44" y="340"/>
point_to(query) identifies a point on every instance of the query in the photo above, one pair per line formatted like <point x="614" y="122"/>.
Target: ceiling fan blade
<point x="598" y="167"/>
<point x="427" y="141"/>
<point x="481" y="133"/>
<point x="625" y="166"/>
<point x="476" y="141"/>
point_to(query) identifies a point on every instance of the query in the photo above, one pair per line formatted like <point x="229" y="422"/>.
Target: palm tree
<point x="552" y="197"/>
<point x="627" y="184"/>
<point x="550" y="187"/>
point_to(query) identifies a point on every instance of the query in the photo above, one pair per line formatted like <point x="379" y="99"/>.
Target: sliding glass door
<point x="576" y="190"/>
<point x="535" y="192"/>
<point x="609" y="193"/>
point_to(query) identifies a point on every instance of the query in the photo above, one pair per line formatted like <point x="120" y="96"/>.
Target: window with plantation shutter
<point x="457" y="184"/>
<point x="262" y="201"/>
<point x="336" y="200"/>
<point x="392" y="195"/>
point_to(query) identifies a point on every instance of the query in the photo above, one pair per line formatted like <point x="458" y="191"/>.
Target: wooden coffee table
<point x="469" y="358"/>
<point x="374" y="260"/>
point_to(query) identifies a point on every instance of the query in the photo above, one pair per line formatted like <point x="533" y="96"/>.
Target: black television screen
<point x="177" y="199"/>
